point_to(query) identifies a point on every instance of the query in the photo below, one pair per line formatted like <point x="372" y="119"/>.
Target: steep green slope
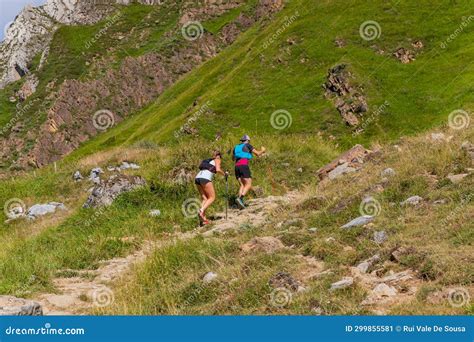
<point x="252" y="79"/>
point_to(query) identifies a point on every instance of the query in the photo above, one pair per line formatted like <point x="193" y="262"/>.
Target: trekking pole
<point x="226" y="194"/>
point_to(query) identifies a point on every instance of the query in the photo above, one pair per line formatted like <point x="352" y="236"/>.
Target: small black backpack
<point x="206" y="165"/>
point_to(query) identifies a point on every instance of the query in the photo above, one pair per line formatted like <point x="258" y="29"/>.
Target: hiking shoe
<point x="203" y="218"/>
<point x="240" y="203"/>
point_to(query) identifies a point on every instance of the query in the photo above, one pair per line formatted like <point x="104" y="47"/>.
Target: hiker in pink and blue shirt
<point x="242" y="154"/>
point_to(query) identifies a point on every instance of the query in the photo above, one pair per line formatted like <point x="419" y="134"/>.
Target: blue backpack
<point x="239" y="152"/>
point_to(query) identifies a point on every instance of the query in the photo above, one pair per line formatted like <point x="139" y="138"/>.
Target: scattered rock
<point x="15" y="212"/>
<point x="398" y="253"/>
<point x="380" y="292"/>
<point x="12" y="306"/>
<point x="380" y="237"/>
<point x="348" y="161"/>
<point x="359" y="221"/>
<point x="469" y="149"/>
<point x="77" y="176"/>
<point x="364" y="266"/>
<point x="95" y="175"/>
<point x="313" y="230"/>
<point x="339" y="42"/>
<point x="455" y="179"/>
<point x="266" y="244"/>
<point x="413" y="200"/>
<point x="209" y="277"/>
<point x="283" y="279"/>
<point x="155" y="213"/>
<point x="404" y="55"/>
<point x="342" y="284"/>
<point x="341" y="170"/>
<point x="330" y="239"/>
<point x="388" y="172"/>
<point x="440" y="201"/>
<point x="300" y="170"/>
<point x="126" y="165"/>
<point x="42" y="209"/>
<point x="105" y="193"/>
<point x="348" y="99"/>
<point x="417" y="44"/>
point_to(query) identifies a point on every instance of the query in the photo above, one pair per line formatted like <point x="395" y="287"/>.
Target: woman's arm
<point x="260" y="152"/>
<point x="218" y="166"/>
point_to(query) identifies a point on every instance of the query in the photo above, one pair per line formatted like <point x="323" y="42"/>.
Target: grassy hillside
<point x="239" y="90"/>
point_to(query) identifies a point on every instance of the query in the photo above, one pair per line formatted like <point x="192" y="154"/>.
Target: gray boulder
<point x="413" y="200"/>
<point x="95" y="175"/>
<point x="209" y="277"/>
<point x="12" y="306"/>
<point x="364" y="265"/>
<point x="341" y="170"/>
<point x="126" y="165"/>
<point x="388" y="172"/>
<point x="105" y="193"/>
<point x="359" y="221"/>
<point x="155" y="213"/>
<point x="43" y="209"/>
<point x="342" y="284"/>
<point x="77" y="176"/>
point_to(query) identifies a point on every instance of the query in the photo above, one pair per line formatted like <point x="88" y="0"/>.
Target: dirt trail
<point x="91" y="288"/>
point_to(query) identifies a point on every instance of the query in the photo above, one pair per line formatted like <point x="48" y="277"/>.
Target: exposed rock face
<point x="26" y="37"/>
<point x="348" y="161"/>
<point x="137" y="82"/>
<point x="348" y="99"/>
<point x="105" y="193"/>
<point x="12" y="306"/>
<point x="43" y="209"/>
<point x="33" y="29"/>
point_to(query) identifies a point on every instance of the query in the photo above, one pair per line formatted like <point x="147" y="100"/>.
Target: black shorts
<point x="201" y="181"/>
<point x="242" y="171"/>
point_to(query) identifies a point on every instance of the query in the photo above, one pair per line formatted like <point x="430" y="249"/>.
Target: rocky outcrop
<point x="106" y="192"/>
<point x="33" y="29"/>
<point x="25" y="38"/>
<point x="349" y="161"/>
<point x="12" y="306"/>
<point x="348" y="98"/>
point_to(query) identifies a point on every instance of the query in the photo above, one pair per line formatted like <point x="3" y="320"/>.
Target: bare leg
<point x="203" y="194"/>
<point x="241" y="189"/>
<point x="246" y="185"/>
<point x="210" y="194"/>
